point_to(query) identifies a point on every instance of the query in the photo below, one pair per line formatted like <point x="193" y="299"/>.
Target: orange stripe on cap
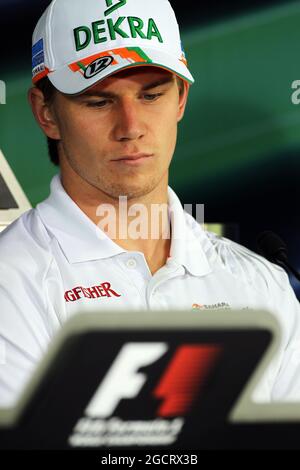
<point x="75" y="67"/>
<point x="183" y="60"/>
<point x="129" y="54"/>
<point x="40" y="75"/>
<point x="123" y="52"/>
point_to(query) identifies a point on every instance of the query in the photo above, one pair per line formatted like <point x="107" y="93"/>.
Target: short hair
<point x="49" y="91"/>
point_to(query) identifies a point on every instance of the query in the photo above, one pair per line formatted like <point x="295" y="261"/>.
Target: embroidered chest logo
<point x="95" y="292"/>
<point x="218" y="306"/>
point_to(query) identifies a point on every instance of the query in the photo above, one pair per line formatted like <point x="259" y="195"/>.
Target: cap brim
<point x="74" y="78"/>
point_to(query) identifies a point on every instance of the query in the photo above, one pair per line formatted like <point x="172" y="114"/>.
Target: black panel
<point x="6" y="199"/>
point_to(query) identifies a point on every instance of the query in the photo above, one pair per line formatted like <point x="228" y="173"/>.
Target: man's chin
<point x="131" y="191"/>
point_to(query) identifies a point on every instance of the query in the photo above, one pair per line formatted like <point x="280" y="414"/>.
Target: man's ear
<point x="183" y="100"/>
<point x="43" y="113"/>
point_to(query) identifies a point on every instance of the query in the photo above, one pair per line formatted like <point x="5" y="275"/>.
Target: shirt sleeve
<point x="272" y="289"/>
<point x="286" y="384"/>
<point x="24" y="334"/>
<point x="281" y="381"/>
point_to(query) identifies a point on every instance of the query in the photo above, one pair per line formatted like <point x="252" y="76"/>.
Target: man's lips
<point x="134" y="159"/>
<point x="135" y="156"/>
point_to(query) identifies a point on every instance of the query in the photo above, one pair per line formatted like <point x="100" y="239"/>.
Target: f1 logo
<point x="178" y="387"/>
<point x="132" y="357"/>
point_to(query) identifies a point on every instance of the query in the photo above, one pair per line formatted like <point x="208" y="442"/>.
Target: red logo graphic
<point x="179" y="387"/>
<point x="184" y="378"/>
<point x="102" y="290"/>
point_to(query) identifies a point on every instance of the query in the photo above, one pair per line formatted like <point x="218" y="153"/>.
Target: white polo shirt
<point x="55" y="262"/>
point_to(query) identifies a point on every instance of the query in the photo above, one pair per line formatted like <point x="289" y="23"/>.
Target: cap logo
<point x="97" y="66"/>
<point x="109" y="29"/>
<point x="38" y="58"/>
<point x="112" y="7"/>
<point x="115" y="34"/>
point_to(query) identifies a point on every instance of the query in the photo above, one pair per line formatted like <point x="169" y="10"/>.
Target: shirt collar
<point x="81" y="240"/>
<point x="187" y="239"/>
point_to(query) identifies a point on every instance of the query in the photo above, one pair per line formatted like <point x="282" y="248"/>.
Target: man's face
<point x="130" y="114"/>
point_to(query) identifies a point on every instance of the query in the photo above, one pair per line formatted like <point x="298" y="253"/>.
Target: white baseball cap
<point x="77" y="43"/>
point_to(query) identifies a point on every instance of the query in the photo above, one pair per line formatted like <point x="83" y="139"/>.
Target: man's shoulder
<point x="25" y="240"/>
<point x="238" y="260"/>
<point x="247" y="264"/>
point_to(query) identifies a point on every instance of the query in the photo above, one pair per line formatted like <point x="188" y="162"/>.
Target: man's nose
<point x="129" y="121"/>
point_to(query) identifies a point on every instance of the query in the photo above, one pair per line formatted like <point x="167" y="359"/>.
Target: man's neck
<point x="140" y="224"/>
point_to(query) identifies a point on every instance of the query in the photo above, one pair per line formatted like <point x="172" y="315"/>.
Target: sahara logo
<point x="217" y="306"/>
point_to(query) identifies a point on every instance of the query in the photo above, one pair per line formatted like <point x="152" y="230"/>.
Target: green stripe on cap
<point x="140" y="52"/>
<point x="81" y="65"/>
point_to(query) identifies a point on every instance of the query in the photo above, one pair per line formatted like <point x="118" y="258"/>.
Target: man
<point x="111" y="84"/>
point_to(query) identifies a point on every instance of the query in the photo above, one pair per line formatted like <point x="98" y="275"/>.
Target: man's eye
<point x="152" y="97"/>
<point x="97" y="104"/>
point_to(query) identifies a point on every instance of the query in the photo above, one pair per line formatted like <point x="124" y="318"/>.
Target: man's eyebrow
<point x="99" y="94"/>
<point x="106" y="94"/>
<point x="162" y="81"/>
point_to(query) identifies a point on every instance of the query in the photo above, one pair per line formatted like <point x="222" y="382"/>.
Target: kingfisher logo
<point x="178" y="387"/>
<point x="95" y="292"/>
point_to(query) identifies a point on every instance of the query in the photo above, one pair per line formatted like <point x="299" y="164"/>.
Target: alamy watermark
<point x="2" y="92"/>
<point x="295" y="97"/>
<point x="144" y="222"/>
